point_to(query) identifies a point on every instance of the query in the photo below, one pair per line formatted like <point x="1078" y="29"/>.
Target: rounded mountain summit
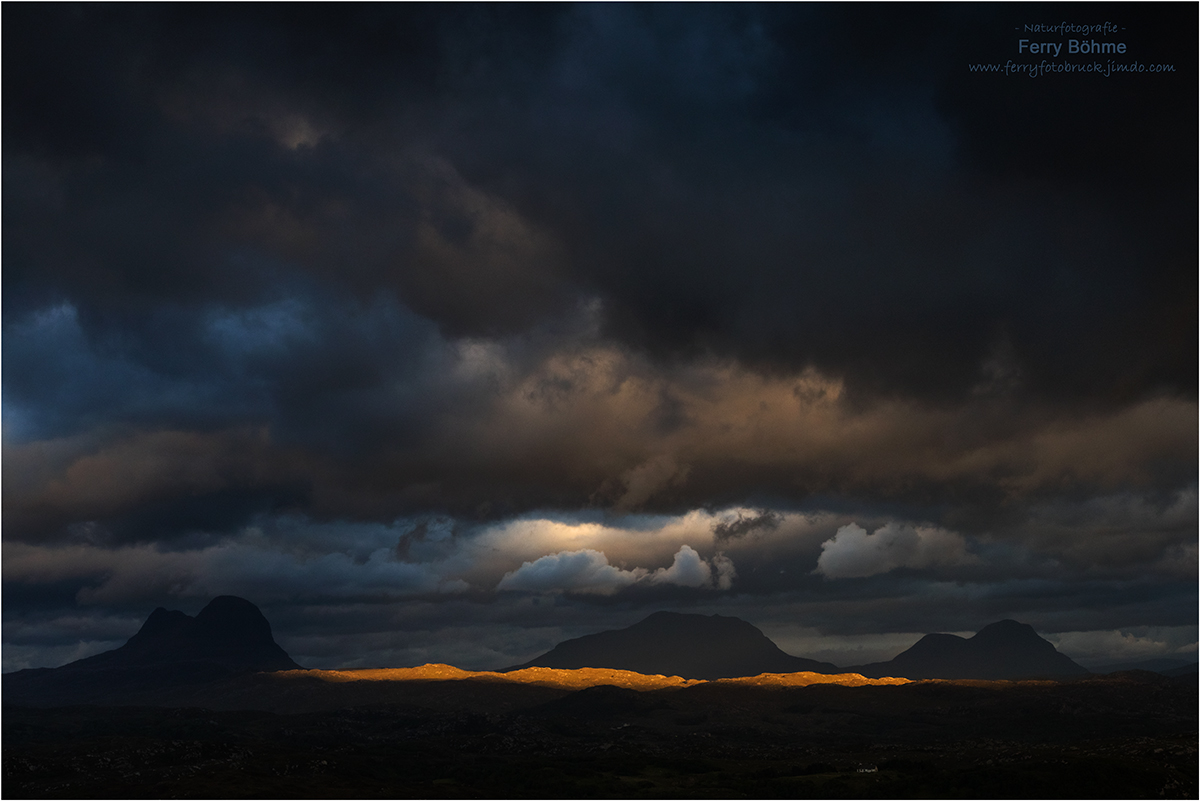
<point x="677" y="644"/>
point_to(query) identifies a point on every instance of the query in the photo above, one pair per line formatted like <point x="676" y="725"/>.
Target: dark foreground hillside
<point x="1128" y="736"/>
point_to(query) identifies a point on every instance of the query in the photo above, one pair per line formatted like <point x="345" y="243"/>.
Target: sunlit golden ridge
<point x="583" y="677"/>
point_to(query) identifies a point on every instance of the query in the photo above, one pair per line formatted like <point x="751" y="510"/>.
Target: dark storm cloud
<point x="839" y="176"/>
<point x="583" y="431"/>
<point x="211" y="135"/>
<point x="706" y="171"/>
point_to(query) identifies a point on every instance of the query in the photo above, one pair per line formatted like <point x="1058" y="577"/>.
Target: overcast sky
<point x="444" y="333"/>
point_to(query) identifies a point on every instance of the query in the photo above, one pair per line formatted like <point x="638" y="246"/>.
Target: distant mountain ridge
<point x="1165" y="665"/>
<point x="714" y="647"/>
<point x="676" y="644"/>
<point x="175" y="657"/>
<point x="229" y="636"/>
<point x="1003" y="650"/>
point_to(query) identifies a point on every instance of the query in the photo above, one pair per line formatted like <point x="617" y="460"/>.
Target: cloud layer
<point x="366" y="311"/>
<point x="589" y="571"/>
<point x="853" y="553"/>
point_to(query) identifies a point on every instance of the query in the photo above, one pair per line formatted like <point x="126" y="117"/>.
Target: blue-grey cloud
<point x="854" y="553"/>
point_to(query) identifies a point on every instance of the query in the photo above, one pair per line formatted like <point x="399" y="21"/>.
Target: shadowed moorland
<point x="1127" y="736"/>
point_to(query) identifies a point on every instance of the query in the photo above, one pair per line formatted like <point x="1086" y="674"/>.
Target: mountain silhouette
<point x="228" y="637"/>
<point x="675" y="644"/>
<point x="1004" y="650"/>
<point x="230" y="632"/>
